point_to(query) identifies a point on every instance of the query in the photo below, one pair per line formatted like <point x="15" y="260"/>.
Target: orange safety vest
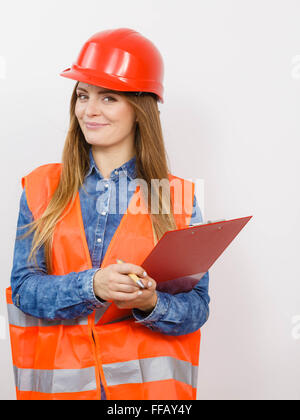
<point x="65" y="359"/>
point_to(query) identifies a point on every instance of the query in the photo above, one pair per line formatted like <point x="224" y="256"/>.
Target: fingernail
<point x="149" y="283"/>
<point x="139" y="292"/>
<point x="144" y="274"/>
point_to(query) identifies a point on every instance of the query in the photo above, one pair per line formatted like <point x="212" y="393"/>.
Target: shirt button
<point x="99" y="240"/>
<point x="106" y="185"/>
<point x="116" y="172"/>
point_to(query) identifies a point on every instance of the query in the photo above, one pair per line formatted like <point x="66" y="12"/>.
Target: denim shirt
<point x="70" y="296"/>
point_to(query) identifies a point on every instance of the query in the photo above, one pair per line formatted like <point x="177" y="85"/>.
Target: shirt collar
<point x="128" y="167"/>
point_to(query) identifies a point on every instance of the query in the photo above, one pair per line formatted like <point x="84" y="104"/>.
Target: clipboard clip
<point x="208" y="222"/>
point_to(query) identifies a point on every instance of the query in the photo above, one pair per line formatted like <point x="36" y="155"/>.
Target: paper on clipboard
<point x="182" y="256"/>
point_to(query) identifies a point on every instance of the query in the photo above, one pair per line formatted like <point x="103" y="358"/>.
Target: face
<point x="105" y="117"/>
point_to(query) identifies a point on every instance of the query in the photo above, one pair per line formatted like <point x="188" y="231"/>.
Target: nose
<point x="93" y="107"/>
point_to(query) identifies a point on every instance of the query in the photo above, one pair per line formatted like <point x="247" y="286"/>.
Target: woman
<point x="80" y="327"/>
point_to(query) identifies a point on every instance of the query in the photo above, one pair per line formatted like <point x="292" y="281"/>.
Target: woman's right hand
<point x="113" y="283"/>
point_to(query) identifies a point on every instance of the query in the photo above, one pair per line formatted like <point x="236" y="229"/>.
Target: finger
<point x="124" y="287"/>
<point x="126" y="268"/>
<point x="126" y="296"/>
<point x="149" y="283"/>
<point x="125" y="279"/>
<point x="146" y="282"/>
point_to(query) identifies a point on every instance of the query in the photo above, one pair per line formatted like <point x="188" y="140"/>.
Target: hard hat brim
<point x="109" y="81"/>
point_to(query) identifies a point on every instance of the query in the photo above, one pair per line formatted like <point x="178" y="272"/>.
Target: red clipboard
<point x="182" y="256"/>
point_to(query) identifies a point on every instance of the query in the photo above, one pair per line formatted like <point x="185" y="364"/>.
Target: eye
<point x="110" y="98"/>
<point x="80" y="95"/>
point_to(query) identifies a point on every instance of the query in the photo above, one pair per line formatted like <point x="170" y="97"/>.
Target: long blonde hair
<point x="151" y="163"/>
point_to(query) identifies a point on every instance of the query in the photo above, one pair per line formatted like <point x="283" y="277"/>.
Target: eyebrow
<point x="100" y="91"/>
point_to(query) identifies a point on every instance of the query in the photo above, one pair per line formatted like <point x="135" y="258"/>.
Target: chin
<point x="97" y="142"/>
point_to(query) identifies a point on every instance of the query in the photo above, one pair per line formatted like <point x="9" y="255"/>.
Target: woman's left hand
<point x="145" y="301"/>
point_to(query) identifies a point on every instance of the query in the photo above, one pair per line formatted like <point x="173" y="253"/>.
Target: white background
<point x="231" y="117"/>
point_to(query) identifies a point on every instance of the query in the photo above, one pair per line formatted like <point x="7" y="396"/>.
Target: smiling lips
<point x="94" y="126"/>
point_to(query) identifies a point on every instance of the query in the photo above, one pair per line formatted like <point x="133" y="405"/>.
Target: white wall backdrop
<point x="231" y="117"/>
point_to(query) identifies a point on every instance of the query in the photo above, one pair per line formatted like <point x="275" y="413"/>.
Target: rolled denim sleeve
<point x="42" y="295"/>
<point x="181" y="313"/>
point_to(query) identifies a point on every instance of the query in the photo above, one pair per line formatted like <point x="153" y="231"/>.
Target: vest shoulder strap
<point x="182" y="195"/>
<point x="40" y="185"/>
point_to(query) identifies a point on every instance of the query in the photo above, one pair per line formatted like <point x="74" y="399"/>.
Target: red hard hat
<point x="119" y="59"/>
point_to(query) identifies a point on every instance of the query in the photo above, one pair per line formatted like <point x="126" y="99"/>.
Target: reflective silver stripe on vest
<point x="19" y="319"/>
<point x="123" y="318"/>
<point x="99" y="312"/>
<point x="56" y="380"/>
<point x="150" y="369"/>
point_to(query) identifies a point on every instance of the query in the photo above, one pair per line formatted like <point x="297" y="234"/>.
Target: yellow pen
<point x="133" y="276"/>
